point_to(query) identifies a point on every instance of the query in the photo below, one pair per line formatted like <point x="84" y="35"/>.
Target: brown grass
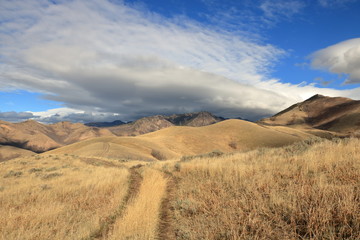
<point x="57" y="198"/>
<point x="297" y="192"/>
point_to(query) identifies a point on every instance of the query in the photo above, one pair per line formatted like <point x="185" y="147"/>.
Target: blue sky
<point x="95" y="60"/>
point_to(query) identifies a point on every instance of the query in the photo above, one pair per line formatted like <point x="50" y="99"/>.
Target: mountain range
<point x="179" y="134"/>
<point x="37" y="137"/>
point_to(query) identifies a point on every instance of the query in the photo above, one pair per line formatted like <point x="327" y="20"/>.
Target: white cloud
<point x="341" y="58"/>
<point x="334" y="3"/>
<point x="72" y="115"/>
<point x="109" y="60"/>
<point x="275" y="9"/>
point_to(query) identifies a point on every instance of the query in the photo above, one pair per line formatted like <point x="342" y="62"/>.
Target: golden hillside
<point x="226" y="136"/>
<point x="307" y="190"/>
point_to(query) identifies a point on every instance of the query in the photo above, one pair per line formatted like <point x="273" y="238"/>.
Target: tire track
<point x="166" y="224"/>
<point x="106" y="148"/>
<point x="135" y="181"/>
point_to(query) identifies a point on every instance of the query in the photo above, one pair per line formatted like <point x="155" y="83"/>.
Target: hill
<point x="336" y="114"/>
<point x="10" y="152"/>
<point x="38" y="137"/>
<point x="176" y="141"/>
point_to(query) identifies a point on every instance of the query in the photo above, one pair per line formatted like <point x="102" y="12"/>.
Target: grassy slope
<point x="230" y="135"/>
<point x="57" y="198"/>
<point x="297" y="192"/>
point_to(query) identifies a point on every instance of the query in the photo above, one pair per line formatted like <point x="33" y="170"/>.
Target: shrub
<point x="51" y="175"/>
<point x="177" y="167"/>
<point x="32" y="170"/>
<point x="233" y="145"/>
<point x="13" y="174"/>
<point x="213" y="154"/>
<point x="157" y="154"/>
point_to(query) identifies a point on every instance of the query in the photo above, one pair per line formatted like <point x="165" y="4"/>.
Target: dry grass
<point x="141" y="218"/>
<point x="296" y="192"/>
<point x="57" y="197"/>
<point x="309" y="190"/>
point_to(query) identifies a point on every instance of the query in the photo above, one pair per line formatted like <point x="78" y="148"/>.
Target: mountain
<point x="197" y="119"/>
<point x="176" y="141"/>
<point x="335" y="114"/>
<point x="141" y="126"/>
<point x="105" y="124"/>
<point x="155" y="123"/>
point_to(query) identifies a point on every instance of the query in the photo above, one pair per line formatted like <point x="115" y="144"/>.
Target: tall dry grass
<point x="296" y="192"/>
<point x="142" y="214"/>
<point x="57" y="197"/>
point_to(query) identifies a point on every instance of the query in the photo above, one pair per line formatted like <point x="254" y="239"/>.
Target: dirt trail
<point x="135" y="180"/>
<point x="166" y="224"/>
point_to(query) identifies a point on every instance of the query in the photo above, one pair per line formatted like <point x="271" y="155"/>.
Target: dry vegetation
<point x="297" y="192"/>
<point x="57" y="198"/>
<point x="309" y="190"/>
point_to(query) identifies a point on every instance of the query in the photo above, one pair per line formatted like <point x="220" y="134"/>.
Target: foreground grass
<point x="53" y="198"/>
<point x="297" y="192"/>
<point x="309" y="190"/>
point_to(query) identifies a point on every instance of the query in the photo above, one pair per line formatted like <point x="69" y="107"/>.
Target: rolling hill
<point x="38" y="137"/>
<point x="176" y="141"/>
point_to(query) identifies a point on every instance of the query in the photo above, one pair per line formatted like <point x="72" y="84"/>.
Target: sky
<point x="106" y="60"/>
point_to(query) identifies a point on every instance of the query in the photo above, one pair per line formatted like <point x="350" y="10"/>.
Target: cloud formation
<point x="72" y="115"/>
<point x="281" y="9"/>
<point x="107" y="61"/>
<point x="334" y="3"/>
<point x="341" y="58"/>
<point x="16" y="116"/>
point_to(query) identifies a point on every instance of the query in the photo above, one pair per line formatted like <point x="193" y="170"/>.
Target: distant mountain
<point x="141" y="126"/>
<point x="197" y="119"/>
<point x="336" y="114"/>
<point x="105" y="124"/>
<point x="154" y="123"/>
